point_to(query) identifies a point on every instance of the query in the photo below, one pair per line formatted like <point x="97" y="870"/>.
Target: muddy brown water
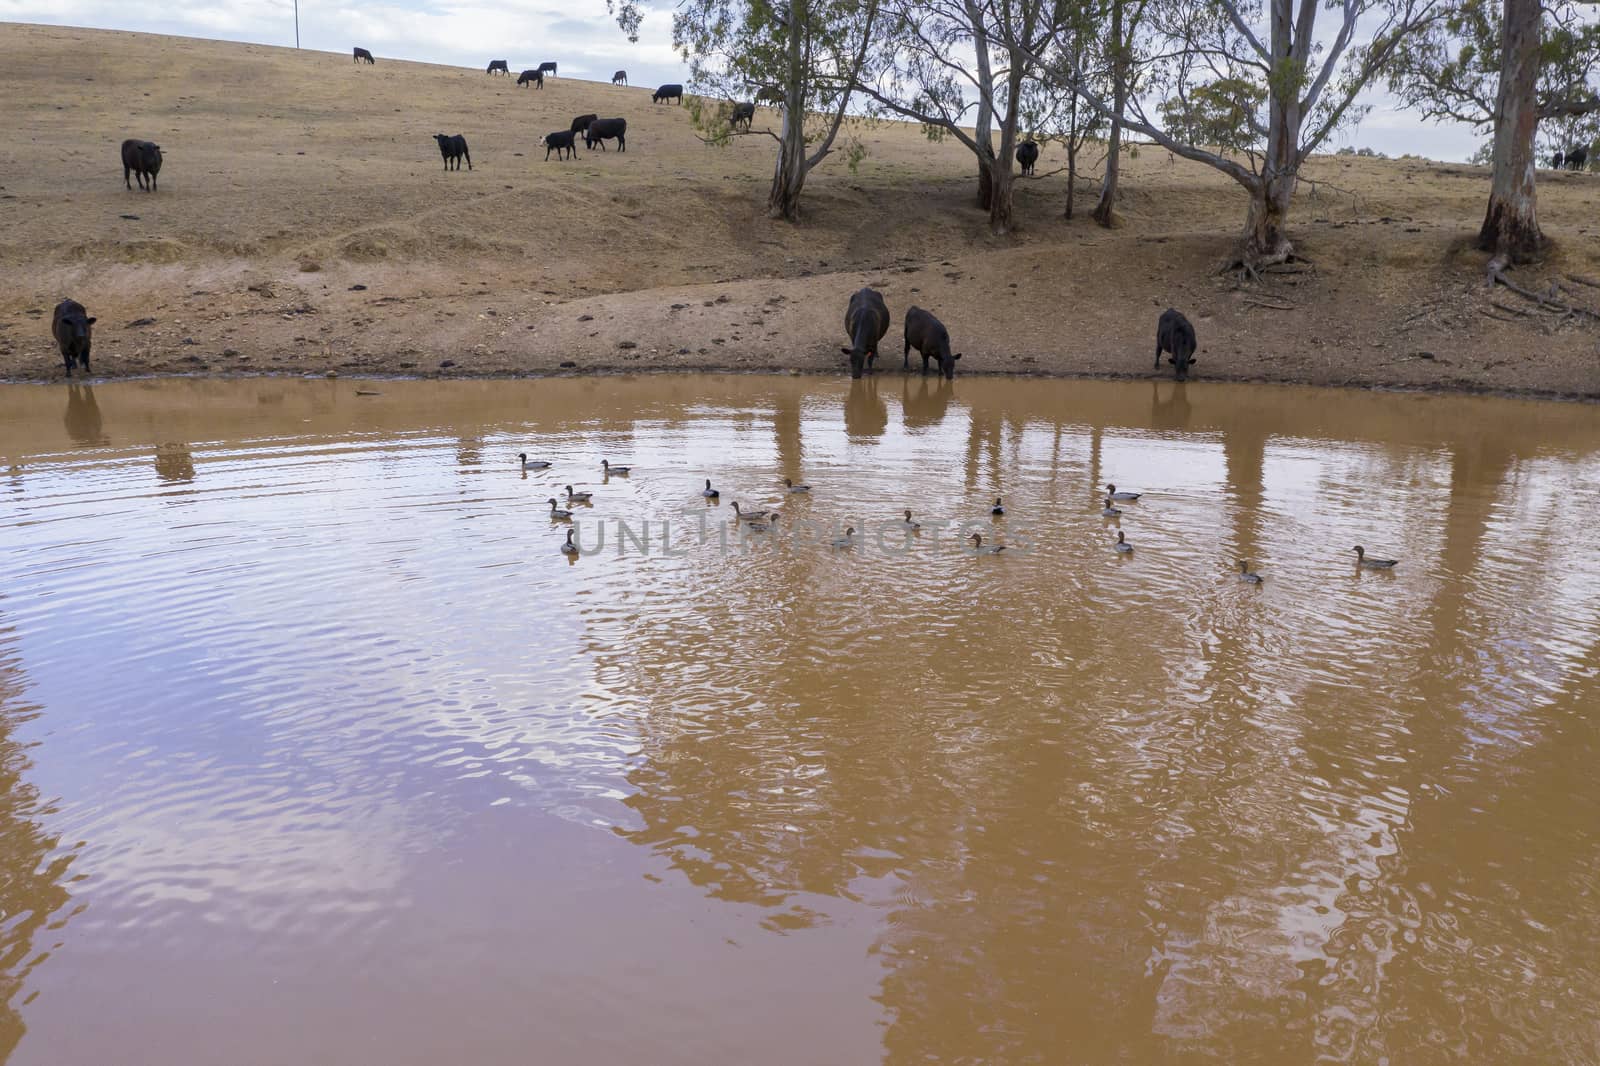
<point x="314" y="748"/>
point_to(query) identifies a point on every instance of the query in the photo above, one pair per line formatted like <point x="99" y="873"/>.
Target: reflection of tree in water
<point x="32" y="872"/>
<point x="174" y="463"/>
<point x="926" y="405"/>
<point x="82" y="419"/>
<point x="865" y="413"/>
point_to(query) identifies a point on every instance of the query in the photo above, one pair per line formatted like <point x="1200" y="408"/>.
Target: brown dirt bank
<point x="361" y="256"/>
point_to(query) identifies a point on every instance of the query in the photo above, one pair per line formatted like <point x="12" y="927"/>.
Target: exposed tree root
<point x="1544" y="301"/>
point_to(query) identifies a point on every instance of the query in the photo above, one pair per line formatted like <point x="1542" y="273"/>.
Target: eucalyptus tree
<point x="1514" y="67"/>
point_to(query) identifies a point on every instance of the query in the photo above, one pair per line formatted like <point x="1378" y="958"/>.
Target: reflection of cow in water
<point x="1173" y="412"/>
<point x="865" y="413"/>
<point x="927" y="406"/>
<point x="83" y="416"/>
<point x="174" y="463"/>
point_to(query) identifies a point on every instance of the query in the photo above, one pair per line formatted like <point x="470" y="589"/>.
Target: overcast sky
<point x="578" y="34"/>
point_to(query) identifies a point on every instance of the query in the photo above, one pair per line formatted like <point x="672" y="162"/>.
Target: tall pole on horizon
<point x="297" y="23"/>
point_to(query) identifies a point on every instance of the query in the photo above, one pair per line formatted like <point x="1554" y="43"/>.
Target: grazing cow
<point x="530" y="75"/>
<point x="1028" y="155"/>
<point x="928" y="336"/>
<point x="866" y="320"/>
<point x="1577" y="157"/>
<point x="362" y="53"/>
<point x="1557" y="161"/>
<point x="1174" y="334"/>
<point x="745" y="113"/>
<point x="561" y="141"/>
<point x="603" y="129"/>
<point x="770" y="95"/>
<point x="547" y="68"/>
<point x="500" y="65"/>
<point x="667" y="92"/>
<point x="581" y="123"/>
<point x="70" y="325"/>
<point x="143" y="160"/>
<point x="619" y="78"/>
<point x="453" y="148"/>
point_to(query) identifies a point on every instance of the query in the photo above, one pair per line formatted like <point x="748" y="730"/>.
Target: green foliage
<point x="1219" y="113"/>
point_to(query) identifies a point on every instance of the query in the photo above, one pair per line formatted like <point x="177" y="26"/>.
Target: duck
<point x="1109" y="511"/>
<point x="1122" y="544"/>
<point x="532" y="464"/>
<point x="1246" y="575"/>
<point x="997" y="510"/>
<point x="711" y="493"/>
<point x="979" y="549"/>
<point x="609" y="469"/>
<point x="1113" y="494"/>
<point x="908" y="523"/>
<point x="578" y="497"/>
<point x="1373" y="564"/>
<point x="846" y="541"/>
<point x="748" y="516"/>
<point x="762" y="527"/>
<point x="796" y="488"/>
<point x="569" y="548"/>
<point x="556" y="513"/>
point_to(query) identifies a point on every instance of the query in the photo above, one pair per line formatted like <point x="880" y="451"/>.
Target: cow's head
<point x="858" y="358"/>
<point x="1182" y="357"/>
<point x="947" y="363"/>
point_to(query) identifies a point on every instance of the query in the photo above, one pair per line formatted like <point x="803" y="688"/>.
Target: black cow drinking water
<point x="619" y="78"/>
<point x="500" y="65"/>
<point x="581" y="123"/>
<point x="547" y="68"/>
<point x="561" y="141"/>
<point x="667" y="92"/>
<point x="1174" y="334"/>
<point x="530" y="76"/>
<point x="362" y="53"/>
<point x="453" y="149"/>
<point x="929" y="337"/>
<point x="866" y="320"/>
<point x="70" y="326"/>
<point x="143" y="160"/>
<point x="1577" y="157"/>
<point x="1028" y="155"/>
<point x="745" y="113"/>
<point x="603" y="129"/>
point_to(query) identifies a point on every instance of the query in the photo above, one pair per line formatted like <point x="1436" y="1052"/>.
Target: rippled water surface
<point x="314" y="748"/>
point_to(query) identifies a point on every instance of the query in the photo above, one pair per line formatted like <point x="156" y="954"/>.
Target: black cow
<point x="500" y="65"/>
<point x="362" y="53"/>
<point x="928" y="336"/>
<point x="745" y="113"/>
<point x="1174" y="334"/>
<point x="866" y="320"/>
<point x="581" y="123"/>
<point x="619" y="78"/>
<point x="453" y="148"/>
<point x="1557" y="161"/>
<point x="1027" y="155"/>
<point x="561" y="140"/>
<point x="602" y="129"/>
<point x="531" y="75"/>
<point x="547" y="68"/>
<point x="143" y="160"/>
<point x="70" y="325"/>
<point x="667" y="92"/>
<point x="1577" y="157"/>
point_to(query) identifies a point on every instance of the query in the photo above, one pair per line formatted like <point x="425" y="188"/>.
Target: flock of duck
<point x="760" y="521"/>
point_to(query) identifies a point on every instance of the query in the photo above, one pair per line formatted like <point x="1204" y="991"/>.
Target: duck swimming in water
<point x="569" y="548"/>
<point x="1109" y="511"/>
<point x="749" y="516"/>
<point x="796" y="488"/>
<point x="532" y="464"/>
<point x="848" y="540"/>
<point x="578" y="497"/>
<point x="556" y="513"/>
<point x="1373" y="564"/>
<point x="997" y="510"/>
<point x="1122" y="544"/>
<point x="609" y="469"/>
<point x="908" y="523"/>
<point x="711" y="493"/>
<point x="1246" y="575"/>
<point x="1112" y="493"/>
<point x="979" y="549"/>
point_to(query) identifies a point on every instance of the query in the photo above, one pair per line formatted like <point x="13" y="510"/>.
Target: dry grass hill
<point x="305" y="223"/>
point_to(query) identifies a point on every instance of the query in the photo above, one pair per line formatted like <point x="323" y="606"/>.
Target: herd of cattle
<point x="1573" y="159"/>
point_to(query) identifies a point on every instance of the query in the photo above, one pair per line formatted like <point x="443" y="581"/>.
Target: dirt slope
<point x="292" y="178"/>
